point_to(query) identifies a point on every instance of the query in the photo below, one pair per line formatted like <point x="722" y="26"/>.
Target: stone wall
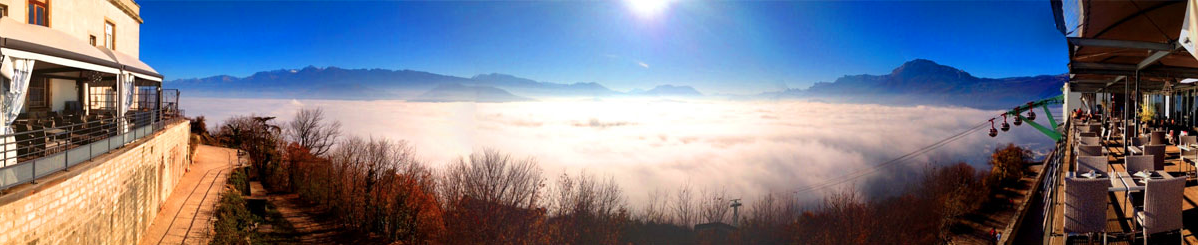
<point x="110" y="199"/>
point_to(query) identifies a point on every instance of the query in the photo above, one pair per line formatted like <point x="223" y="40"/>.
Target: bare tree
<point x="494" y="177"/>
<point x="310" y="130"/>
<point x="684" y="207"/>
<point x="714" y="205"/>
<point x="493" y="198"/>
<point x="765" y="211"/>
<point x="583" y="194"/>
<point x="655" y="209"/>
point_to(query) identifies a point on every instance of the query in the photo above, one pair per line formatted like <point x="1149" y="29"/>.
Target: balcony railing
<point x="35" y="151"/>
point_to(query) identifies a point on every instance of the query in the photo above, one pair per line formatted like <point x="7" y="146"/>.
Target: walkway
<point x="309" y="224"/>
<point x="186" y="215"/>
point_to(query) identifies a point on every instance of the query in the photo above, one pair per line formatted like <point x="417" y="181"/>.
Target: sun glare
<point x="648" y="8"/>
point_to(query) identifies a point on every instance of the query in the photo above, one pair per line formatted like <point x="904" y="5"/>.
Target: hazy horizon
<point x="749" y="148"/>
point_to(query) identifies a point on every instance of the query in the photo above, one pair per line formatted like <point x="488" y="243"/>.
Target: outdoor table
<point x="1185" y="148"/>
<point x="1124" y="181"/>
<point x="1135" y="150"/>
<point x="1127" y="183"/>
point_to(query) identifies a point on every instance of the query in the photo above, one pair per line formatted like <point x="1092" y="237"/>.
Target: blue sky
<point x="715" y="46"/>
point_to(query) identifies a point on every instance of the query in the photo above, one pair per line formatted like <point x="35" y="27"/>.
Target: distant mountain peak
<point x="923" y="67"/>
<point x="922" y="81"/>
<point x="671" y="90"/>
<point x="453" y="92"/>
<point x="494" y="75"/>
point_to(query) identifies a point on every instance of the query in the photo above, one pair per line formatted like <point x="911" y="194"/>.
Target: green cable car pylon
<point x="1017" y="112"/>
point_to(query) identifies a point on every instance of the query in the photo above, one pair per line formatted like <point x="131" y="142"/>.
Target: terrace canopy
<point x="1132" y="38"/>
<point x="53" y="46"/>
<point x="55" y="56"/>
<point x="1133" y="52"/>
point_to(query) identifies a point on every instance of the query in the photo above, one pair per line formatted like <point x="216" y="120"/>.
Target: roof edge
<point x="52" y="51"/>
<point x="129" y="11"/>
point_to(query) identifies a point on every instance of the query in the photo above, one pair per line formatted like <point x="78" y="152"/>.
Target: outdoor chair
<point x="1188" y="157"/>
<point x="37" y="140"/>
<point x="1085" y="206"/>
<point x="1091" y="141"/>
<point x="77" y="127"/>
<point x="1157" y="138"/>
<point x="1089" y="150"/>
<point x="1162" y="207"/>
<point x="93" y="129"/>
<point x="1096" y="128"/>
<point x="25" y="139"/>
<point x="1087" y="163"/>
<point x="1116" y="132"/>
<point x="1158" y="155"/>
<point x="1138" y="163"/>
<point x="1140" y="141"/>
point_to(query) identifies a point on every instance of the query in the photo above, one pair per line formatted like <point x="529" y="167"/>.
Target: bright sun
<point x="648" y="8"/>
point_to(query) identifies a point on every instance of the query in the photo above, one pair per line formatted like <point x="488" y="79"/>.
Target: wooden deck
<point x="1119" y="225"/>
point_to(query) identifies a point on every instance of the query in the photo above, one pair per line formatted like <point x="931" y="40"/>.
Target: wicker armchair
<point x="1088" y="163"/>
<point x="1158" y="155"/>
<point x="1139" y="162"/>
<point x="1162" y="206"/>
<point x="1089" y="150"/>
<point x="1085" y="206"/>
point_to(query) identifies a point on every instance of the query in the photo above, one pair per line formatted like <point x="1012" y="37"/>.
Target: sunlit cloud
<point x="642" y="64"/>
<point x="750" y="148"/>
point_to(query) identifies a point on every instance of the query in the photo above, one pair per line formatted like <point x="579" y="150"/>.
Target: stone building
<point x="90" y="143"/>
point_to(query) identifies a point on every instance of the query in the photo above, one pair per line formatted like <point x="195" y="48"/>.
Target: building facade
<point x="71" y="80"/>
<point x="94" y="21"/>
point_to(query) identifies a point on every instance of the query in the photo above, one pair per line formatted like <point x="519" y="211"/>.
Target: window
<point x="101" y="98"/>
<point x="3" y="10"/>
<point x="39" y="14"/>
<point x="109" y="35"/>
<point x="91" y="39"/>
<point x="37" y="93"/>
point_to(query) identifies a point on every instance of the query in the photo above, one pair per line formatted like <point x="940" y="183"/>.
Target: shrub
<point x="199" y="126"/>
<point x="233" y="220"/>
<point x="240" y="181"/>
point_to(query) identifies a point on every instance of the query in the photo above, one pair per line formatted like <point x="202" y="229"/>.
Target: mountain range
<point x="925" y="82"/>
<point x="915" y="82"/>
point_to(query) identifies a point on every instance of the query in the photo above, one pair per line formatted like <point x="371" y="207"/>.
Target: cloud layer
<point x="749" y="148"/>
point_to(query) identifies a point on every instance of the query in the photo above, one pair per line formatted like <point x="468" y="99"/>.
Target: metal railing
<point x="35" y="151"/>
<point x="1052" y="179"/>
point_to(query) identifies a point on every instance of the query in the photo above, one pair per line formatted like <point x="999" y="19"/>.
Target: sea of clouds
<point x="746" y="148"/>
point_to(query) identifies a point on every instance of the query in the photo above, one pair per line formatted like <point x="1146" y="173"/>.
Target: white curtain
<point x="126" y="90"/>
<point x="17" y="72"/>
